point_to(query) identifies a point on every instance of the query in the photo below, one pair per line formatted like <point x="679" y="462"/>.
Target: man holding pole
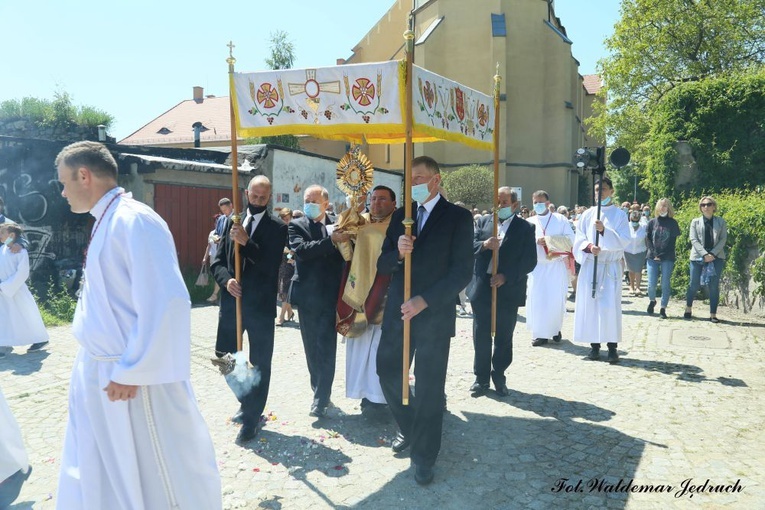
<point x="598" y="318"/>
<point x="514" y="245"/>
<point x="261" y="239"/>
<point x="441" y="255"/>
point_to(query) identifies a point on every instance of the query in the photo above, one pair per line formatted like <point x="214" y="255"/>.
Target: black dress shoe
<point x="651" y="307"/>
<point x="400" y="443"/>
<point x="613" y="356"/>
<point x="663" y="313"/>
<point x="237" y="418"/>
<point x="479" y="388"/>
<point x="317" y="411"/>
<point x="538" y="341"/>
<point x="594" y="353"/>
<point x="246" y="433"/>
<point x="558" y="337"/>
<point x="502" y="390"/>
<point x="423" y="475"/>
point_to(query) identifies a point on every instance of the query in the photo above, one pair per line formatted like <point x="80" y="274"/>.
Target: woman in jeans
<point x="660" y="236"/>
<point x="708" y="236"/>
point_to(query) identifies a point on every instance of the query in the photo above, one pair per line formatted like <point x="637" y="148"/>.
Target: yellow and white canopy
<point x="360" y="102"/>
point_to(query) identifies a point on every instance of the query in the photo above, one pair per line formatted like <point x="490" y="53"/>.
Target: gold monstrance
<point x="354" y="178"/>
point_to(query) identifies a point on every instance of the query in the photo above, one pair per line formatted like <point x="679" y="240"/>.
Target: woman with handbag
<point x="709" y="234"/>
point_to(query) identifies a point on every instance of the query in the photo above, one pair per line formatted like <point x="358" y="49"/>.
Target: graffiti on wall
<point x="32" y="196"/>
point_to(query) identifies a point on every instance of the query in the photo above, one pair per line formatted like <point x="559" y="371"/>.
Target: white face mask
<point x="663" y="214"/>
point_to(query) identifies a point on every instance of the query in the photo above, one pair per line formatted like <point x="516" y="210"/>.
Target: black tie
<point x="249" y="226"/>
<point x="319" y="231"/>
<point x="420" y="218"/>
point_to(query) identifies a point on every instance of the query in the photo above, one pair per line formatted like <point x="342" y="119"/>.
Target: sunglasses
<point x="707" y="204"/>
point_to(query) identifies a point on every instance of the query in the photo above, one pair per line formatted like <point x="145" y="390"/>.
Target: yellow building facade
<point x="544" y="98"/>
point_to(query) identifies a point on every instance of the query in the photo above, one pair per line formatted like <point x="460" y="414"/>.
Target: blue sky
<point x="137" y="59"/>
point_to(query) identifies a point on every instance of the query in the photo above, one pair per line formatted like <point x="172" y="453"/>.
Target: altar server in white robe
<point x="599" y="319"/>
<point x="548" y="283"/>
<point x="19" y="315"/>
<point x="135" y="439"/>
<point x="14" y="463"/>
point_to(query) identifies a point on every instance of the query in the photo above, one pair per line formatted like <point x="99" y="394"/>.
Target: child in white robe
<point x="22" y="323"/>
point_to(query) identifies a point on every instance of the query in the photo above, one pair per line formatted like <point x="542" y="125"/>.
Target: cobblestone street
<point x="687" y="401"/>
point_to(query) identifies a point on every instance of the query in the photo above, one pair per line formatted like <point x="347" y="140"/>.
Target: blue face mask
<point x="540" y="208"/>
<point x="635" y="224"/>
<point x="606" y="201"/>
<point x="505" y="212"/>
<point x="420" y="192"/>
<point x="313" y="211"/>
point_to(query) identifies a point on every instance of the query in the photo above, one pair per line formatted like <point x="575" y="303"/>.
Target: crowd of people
<point x="132" y="411"/>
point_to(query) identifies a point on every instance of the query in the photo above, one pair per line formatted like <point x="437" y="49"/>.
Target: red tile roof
<point x="175" y="125"/>
<point x="592" y="83"/>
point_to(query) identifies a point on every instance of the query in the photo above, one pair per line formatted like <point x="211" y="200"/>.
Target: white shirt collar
<point x="100" y="208"/>
<point x="255" y="217"/>
<point x="430" y="204"/>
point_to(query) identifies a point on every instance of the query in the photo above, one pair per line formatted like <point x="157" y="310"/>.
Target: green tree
<point x="282" y="51"/>
<point x="59" y="111"/>
<point x="282" y="57"/>
<point x="473" y="185"/>
<point x="660" y="44"/>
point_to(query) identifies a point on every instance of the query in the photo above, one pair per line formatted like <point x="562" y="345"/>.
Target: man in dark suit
<point x="516" y="247"/>
<point x="441" y="258"/>
<point x="261" y="239"/>
<point x="315" y="287"/>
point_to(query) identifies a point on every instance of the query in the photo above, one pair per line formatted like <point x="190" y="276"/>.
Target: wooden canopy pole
<point x="408" y="222"/>
<point x="495" y="254"/>
<point x="235" y="193"/>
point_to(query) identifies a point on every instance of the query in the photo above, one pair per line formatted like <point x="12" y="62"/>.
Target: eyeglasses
<point x="707" y="204"/>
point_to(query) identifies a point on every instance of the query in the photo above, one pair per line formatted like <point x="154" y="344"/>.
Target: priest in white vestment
<point x="364" y="295"/>
<point x="135" y="439"/>
<point x="548" y="283"/>
<point x="599" y="319"/>
<point x="19" y="316"/>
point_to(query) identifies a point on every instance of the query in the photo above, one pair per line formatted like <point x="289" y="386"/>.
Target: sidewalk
<point x="687" y="401"/>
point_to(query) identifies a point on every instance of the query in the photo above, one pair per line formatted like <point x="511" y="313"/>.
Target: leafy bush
<point x="722" y="121"/>
<point x="744" y="214"/>
<point x="60" y="111"/>
<point x="473" y="185"/>
<point x="57" y="306"/>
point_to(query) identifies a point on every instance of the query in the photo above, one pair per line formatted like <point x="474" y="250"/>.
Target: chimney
<point x="197" y="131"/>
<point x="199" y="94"/>
<point x="340" y="61"/>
